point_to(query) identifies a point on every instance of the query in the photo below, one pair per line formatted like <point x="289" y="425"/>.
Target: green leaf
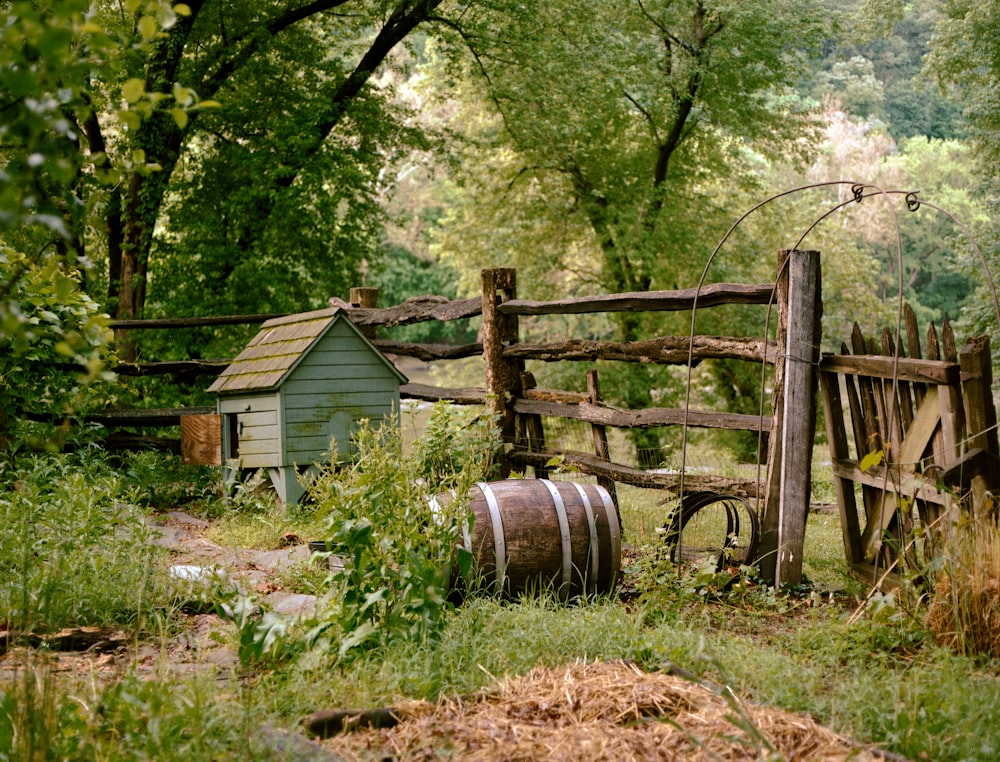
<point x="180" y="117"/>
<point x="130" y="120"/>
<point x="133" y="89"/>
<point x="871" y="460"/>
<point x="183" y="95"/>
<point x="465" y="560"/>
<point x="147" y="27"/>
<point x="357" y="637"/>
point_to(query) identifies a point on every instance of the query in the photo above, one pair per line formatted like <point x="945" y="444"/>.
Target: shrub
<point x="398" y="544"/>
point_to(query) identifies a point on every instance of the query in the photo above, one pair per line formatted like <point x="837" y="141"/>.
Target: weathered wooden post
<point x="980" y="413"/>
<point x="367" y="298"/>
<point x="529" y="431"/>
<point x="600" y="434"/>
<point x="794" y="406"/>
<point x="503" y="375"/>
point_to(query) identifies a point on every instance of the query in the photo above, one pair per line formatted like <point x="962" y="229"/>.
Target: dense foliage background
<point x="213" y="157"/>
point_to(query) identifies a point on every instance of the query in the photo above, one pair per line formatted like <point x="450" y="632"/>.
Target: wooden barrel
<point x="539" y="534"/>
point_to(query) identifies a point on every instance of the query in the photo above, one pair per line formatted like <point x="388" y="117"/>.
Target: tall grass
<point x="74" y="550"/>
<point x="965" y="610"/>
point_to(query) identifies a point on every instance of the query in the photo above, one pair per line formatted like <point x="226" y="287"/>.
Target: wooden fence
<point x="511" y="393"/>
<point x="924" y="439"/>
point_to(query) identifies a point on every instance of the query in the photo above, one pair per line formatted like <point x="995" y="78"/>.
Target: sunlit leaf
<point x="147" y="27"/>
<point x="872" y="459"/>
<point x="133" y="89"/>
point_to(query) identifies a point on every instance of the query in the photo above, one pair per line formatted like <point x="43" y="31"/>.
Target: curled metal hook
<point x="912" y="202"/>
<point x="858" y="189"/>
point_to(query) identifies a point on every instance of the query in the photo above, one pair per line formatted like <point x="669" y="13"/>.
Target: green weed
<point x="74" y="552"/>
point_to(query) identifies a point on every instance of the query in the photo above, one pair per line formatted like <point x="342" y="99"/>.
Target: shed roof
<point x="271" y="356"/>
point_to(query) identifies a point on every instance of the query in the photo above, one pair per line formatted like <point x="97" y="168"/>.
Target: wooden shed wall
<point x="259" y="437"/>
<point x="339" y="382"/>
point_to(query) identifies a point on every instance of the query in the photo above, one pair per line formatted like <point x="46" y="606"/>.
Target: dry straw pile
<point x="598" y="711"/>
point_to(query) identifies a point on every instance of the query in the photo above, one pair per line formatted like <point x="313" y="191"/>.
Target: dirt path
<point x="203" y="641"/>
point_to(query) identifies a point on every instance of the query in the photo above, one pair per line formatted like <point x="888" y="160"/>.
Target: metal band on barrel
<point x="564" y="537"/>
<point x="616" y="536"/>
<point x="595" y="551"/>
<point x="499" y="543"/>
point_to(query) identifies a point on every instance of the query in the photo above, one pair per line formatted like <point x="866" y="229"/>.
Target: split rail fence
<point x="510" y="391"/>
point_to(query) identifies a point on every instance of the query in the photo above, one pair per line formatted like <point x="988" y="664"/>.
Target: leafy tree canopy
<point x="52" y="334"/>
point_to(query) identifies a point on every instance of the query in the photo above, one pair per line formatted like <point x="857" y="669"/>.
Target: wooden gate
<point x="925" y="443"/>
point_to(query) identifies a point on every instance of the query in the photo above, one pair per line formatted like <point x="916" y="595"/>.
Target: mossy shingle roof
<point x="273" y="353"/>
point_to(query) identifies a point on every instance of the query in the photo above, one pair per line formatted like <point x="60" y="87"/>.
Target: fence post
<point x="600" y="435"/>
<point x="365" y="297"/>
<point x="503" y="376"/>
<point x="980" y="413"/>
<point x="794" y="408"/>
<point x="530" y="433"/>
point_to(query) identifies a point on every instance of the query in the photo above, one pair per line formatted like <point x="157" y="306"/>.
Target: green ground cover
<point x="75" y="551"/>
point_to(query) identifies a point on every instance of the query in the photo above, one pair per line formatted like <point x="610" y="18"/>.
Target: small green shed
<point x="301" y="381"/>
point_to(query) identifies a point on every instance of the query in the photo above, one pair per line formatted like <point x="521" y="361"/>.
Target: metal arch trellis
<point x="858" y="194"/>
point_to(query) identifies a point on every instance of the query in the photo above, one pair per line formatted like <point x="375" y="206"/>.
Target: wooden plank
<point x="646" y="418"/>
<point x="503" y="375"/>
<point x="771" y="512"/>
<point x="890" y="397"/>
<point x="258" y="419"/>
<point x="306" y="397"/>
<point x="250" y="403"/>
<point x="905" y="398"/>
<point x="590" y="464"/>
<point x="952" y="408"/>
<point x="345" y="355"/>
<point x="140" y="417"/>
<point x="201" y="439"/>
<point x="866" y="392"/>
<point x="266" y="459"/>
<point x="357" y="374"/>
<point x="310" y="415"/>
<point x="980" y="414"/>
<point x="799" y="419"/>
<point x="836" y="434"/>
<point x="304" y="450"/>
<point x="877" y="366"/>
<point x="913" y="348"/>
<point x="191" y="368"/>
<point x="459" y="396"/>
<point x="914" y="443"/>
<point x="555" y="395"/>
<point x="663" y="350"/>
<point x="250" y="445"/>
<point x="428" y="352"/>
<point x="416" y="309"/>
<point x="646" y="301"/>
